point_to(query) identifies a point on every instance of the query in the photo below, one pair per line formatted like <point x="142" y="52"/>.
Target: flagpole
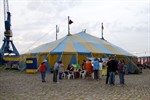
<point x="102" y="31"/>
<point x="68" y="26"/>
<point x="56" y="31"/>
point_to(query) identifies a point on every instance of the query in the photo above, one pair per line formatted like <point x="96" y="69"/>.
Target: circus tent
<point x="73" y="49"/>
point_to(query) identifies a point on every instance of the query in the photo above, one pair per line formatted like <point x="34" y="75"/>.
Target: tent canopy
<point x="80" y="43"/>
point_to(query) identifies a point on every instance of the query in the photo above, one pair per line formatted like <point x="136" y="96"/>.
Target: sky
<point x="126" y="22"/>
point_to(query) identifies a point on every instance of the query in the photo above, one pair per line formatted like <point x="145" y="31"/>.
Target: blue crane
<point x="8" y="51"/>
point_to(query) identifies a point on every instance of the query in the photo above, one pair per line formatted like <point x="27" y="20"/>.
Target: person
<point x="66" y="72"/>
<point x="71" y="68"/>
<point x="55" y="73"/>
<point x="83" y="65"/>
<point x="107" y="76"/>
<point x="76" y="70"/>
<point x="104" y="69"/>
<point x="112" y="67"/>
<point x="71" y="72"/>
<point x="89" y="68"/>
<point x="100" y="69"/>
<point x="96" y="68"/>
<point x="43" y="69"/>
<point x="76" y="67"/>
<point x="121" y="72"/>
<point x="60" y="70"/>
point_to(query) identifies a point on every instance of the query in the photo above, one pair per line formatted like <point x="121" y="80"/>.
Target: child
<point x="43" y="69"/>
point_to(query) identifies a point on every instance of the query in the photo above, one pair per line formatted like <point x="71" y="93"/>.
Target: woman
<point x="61" y="70"/>
<point x="89" y="68"/>
<point x="100" y="69"/>
<point x="121" y="72"/>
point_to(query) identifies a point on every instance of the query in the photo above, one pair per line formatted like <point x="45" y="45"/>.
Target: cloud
<point x="52" y="8"/>
<point x="124" y="21"/>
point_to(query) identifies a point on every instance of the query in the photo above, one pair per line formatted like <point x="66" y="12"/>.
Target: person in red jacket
<point x="89" y="68"/>
<point x="43" y="69"/>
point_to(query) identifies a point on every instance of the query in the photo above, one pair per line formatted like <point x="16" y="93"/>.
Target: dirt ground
<point x="17" y="85"/>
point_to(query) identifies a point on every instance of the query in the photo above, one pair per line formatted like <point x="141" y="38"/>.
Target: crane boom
<point x="7" y="19"/>
<point x="6" y="8"/>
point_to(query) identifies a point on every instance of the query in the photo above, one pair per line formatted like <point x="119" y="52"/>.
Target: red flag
<point x="70" y="21"/>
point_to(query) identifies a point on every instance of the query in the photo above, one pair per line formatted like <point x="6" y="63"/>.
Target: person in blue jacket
<point x="96" y="68"/>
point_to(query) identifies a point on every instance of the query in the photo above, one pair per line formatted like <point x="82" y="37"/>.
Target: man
<point x="55" y="73"/>
<point x="112" y="67"/>
<point x="96" y="68"/>
<point x="107" y="77"/>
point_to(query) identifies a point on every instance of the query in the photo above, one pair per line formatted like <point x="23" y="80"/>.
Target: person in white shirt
<point x="100" y="69"/>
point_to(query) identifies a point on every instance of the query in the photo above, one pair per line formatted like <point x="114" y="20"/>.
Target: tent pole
<point x="91" y="54"/>
<point x="56" y="31"/>
<point x="61" y="56"/>
<point x="102" y="31"/>
<point x="77" y="58"/>
<point x="68" y="27"/>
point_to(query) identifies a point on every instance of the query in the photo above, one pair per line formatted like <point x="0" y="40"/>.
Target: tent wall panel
<point x="73" y="60"/>
<point x="134" y="64"/>
<point x="47" y="63"/>
<point x="48" y="59"/>
<point x="81" y="57"/>
<point x="130" y="64"/>
<point x="53" y="59"/>
<point x="40" y="58"/>
<point x="127" y="61"/>
<point x="96" y="55"/>
<point x="66" y="59"/>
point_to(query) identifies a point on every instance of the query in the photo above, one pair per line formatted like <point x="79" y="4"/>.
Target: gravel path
<point x="16" y="85"/>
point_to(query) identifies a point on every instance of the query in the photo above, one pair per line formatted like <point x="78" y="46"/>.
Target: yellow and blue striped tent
<point x="75" y="48"/>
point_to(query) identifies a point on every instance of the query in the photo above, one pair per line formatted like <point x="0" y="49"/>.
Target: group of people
<point x="58" y="69"/>
<point x="113" y="67"/>
<point x="90" y="67"/>
<point x="93" y="68"/>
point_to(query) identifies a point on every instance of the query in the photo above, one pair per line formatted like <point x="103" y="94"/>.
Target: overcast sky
<point x="126" y="22"/>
